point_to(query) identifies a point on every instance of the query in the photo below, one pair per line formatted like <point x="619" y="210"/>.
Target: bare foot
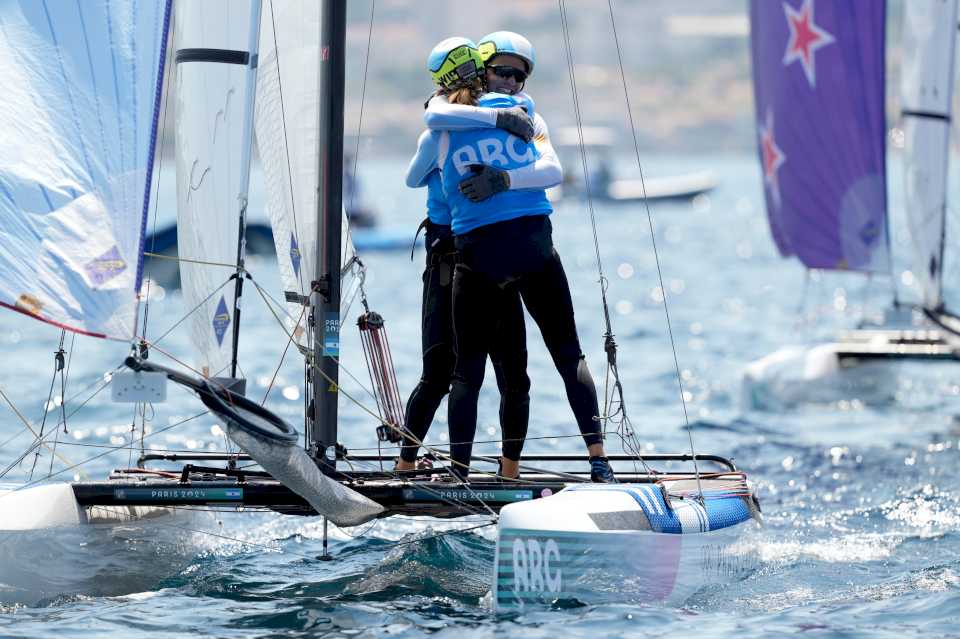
<point x="509" y="468"/>
<point x="405" y="465"/>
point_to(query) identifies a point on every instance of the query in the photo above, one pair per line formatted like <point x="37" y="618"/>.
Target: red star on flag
<point x="773" y="157"/>
<point x="805" y="38"/>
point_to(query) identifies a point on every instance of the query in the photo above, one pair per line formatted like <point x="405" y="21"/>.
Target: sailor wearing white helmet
<point x="506" y="242"/>
<point x="457" y="70"/>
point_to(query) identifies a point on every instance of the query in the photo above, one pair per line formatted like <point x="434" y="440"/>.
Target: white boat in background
<point x="827" y="204"/>
<point x="604" y="186"/>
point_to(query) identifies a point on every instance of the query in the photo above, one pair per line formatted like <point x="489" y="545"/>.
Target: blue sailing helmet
<point x="500" y="42"/>
<point x="454" y="61"/>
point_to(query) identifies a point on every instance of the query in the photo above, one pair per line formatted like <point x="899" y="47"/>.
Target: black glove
<point x="486" y="182"/>
<point x="516" y="121"/>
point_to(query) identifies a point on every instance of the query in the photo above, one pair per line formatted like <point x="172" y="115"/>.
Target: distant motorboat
<point x="598" y="140"/>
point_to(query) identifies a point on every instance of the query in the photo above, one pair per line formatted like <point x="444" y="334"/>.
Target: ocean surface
<point x="861" y="499"/>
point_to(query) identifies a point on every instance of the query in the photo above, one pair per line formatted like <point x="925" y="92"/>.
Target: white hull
<point x="51" y="546"/>
<point x="551" y="550"/>
<point x="796" y="375"/>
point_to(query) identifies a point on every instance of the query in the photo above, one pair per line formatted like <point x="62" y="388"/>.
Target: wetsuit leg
<point x="546" y="294"/>
<point x="474" y="316"/>
<point x="438" y="358"/>
<point x="508" y="352"/>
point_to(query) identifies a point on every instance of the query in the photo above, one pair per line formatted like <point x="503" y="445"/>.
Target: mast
<point x="325" y="294"/>
<point x="246" y="147"/>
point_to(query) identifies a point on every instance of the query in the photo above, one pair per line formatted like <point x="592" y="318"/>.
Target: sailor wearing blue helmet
<point x="456" y="68"/>
<point x="499" y="215"/>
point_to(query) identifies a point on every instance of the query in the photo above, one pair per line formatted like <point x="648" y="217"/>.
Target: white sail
<point x="929" y="38"/>
<point x="79" y="113"/>
<point x="213" y="156"/>
<point x="287" y="120"/>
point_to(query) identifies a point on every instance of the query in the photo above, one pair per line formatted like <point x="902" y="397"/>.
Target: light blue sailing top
<point x="437" y="208"/>
<point x="459" y="150"/>
<point x="441" y="115"/>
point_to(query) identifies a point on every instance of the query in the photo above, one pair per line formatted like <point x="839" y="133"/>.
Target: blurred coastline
<point x="687" y="75"/>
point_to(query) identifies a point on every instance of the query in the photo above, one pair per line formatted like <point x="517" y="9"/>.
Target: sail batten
<point x="818" y="74"/>
<point x="79" y="133"/>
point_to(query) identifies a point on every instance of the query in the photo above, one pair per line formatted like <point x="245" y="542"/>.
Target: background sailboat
<point x="819" y="81"/>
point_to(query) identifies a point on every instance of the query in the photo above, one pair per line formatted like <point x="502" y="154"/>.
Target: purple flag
<point x="818" y="79"/>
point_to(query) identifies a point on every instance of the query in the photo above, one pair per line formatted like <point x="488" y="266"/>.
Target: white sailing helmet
<point x="501" y="42"/>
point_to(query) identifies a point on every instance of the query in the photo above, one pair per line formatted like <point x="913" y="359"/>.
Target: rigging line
<point x="286" y="140"/>
<point x="172" y="258"/>
<point x="63" y="407"/>
<point x="94" y="458"/>
<point x="272" y="305"/>
<point x="407" y="434"/>
<point x="291" y="338"/>
<point x="46" y="405"/>
<point x="276" y="372"/>
<point x="165" y="102"/>
<point x="363" y="95"/>
<point x="487" y="441"/>
<point x="30" y="427"/>
<point x="26" y="428"/>
<point x="653" y="241"/>
<point x="66" y="379"/>
<point x="187" y="315"/>
<point x="609" y="343"/>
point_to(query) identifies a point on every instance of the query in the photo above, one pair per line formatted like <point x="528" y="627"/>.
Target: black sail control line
<point x="224" y="56"/>
<point x="243" y="413"/>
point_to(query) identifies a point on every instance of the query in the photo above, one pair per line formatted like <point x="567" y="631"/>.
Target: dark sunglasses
<point x="509" y="72"/>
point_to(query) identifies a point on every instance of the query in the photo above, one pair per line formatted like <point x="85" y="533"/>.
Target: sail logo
<point x="104" y="268"/>
<point x="221" y="320"/>
<point x="532" y="568"/>
<point x="492" y="152"/>
<point x="295" y="254"/>
<point x="29" y="303"/>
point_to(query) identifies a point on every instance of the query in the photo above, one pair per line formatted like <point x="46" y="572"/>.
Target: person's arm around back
<point x="424" y="161"/>
<point x="546" y="171"/>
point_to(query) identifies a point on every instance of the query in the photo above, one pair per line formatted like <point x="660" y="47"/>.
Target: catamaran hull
<point x="51" y="546"/>
<point x="554" y="551"/>
<point x="796" y="375"/>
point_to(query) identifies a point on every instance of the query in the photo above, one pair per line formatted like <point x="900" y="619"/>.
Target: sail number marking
<point x="532" y="567"/>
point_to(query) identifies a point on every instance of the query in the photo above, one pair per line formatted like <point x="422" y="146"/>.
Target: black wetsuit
<point x="508" y="352"/>
<point x="515" y="253"/>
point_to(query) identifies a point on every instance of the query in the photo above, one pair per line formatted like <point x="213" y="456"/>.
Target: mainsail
<point x="214" y="92"/>
<point x="81" y="84"/>
<point x="818" y="75"/>
<point x="287" y="122"/>
<point x="927" y="87"/>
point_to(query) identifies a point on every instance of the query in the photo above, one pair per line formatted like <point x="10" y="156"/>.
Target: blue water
<point x="861" y="501"/>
